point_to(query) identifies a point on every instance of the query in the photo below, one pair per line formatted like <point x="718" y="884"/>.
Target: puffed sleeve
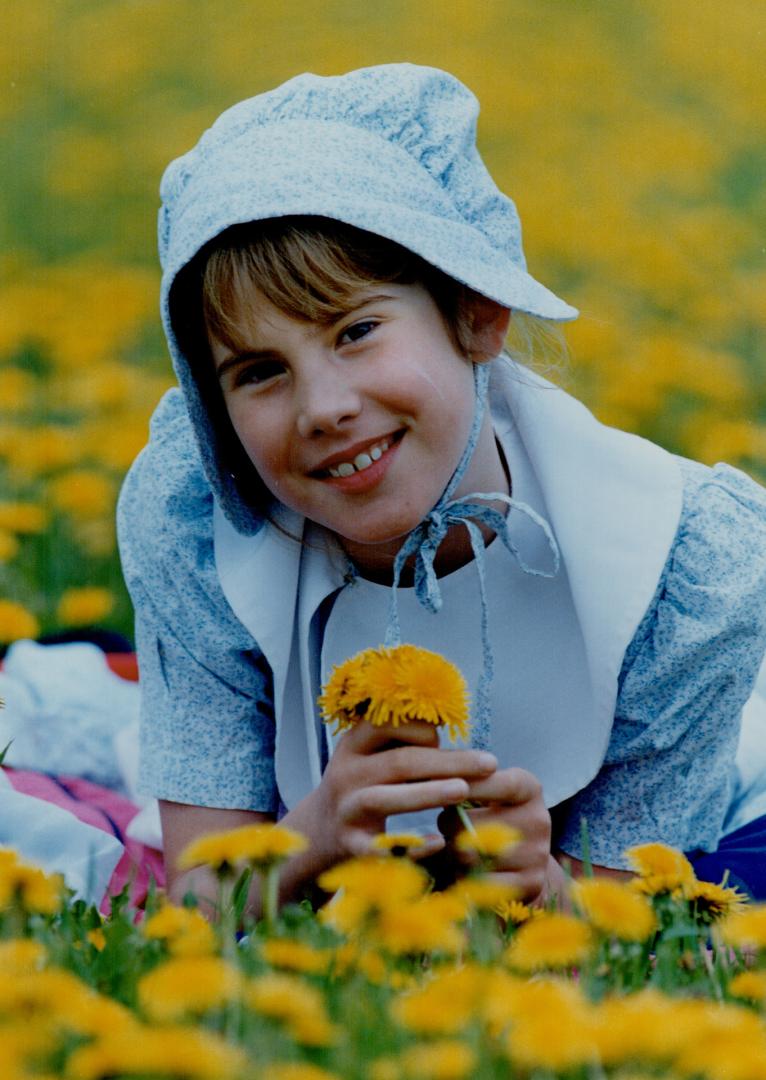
<point x="669" y="770"/>
<point x="207" y="727"/>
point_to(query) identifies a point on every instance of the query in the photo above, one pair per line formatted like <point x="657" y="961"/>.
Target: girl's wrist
<point x="310" y="818"/>
<point x="556" y="884"/>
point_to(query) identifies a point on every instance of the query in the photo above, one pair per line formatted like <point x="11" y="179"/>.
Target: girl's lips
<point x="369" y="477"/>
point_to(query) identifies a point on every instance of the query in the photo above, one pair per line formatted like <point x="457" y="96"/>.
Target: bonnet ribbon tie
<point x="424" y="541"/>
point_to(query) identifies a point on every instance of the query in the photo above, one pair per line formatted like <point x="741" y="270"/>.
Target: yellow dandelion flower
<point x="380" y="680"/>
<point x="94" y="1015"/>
<point x="402" y="843"/>
<point x="296" y="956"/>
<point x="31" y="888"/>
<point x="614" y="909"/>
<point x="9" y="546"/>
<point x="710" y="902"/>
<point x="551" y="1029"/>
<point x="482" y="894"/>
<point x="311" y="1029"/>
<point x="490" y="839"/>
<point x="384" y="1068"/>
<point x="503" y="994"/>
<point x="379" y="881"/>
<point x="17" y="389"/>
<point x="291" y="1001"/>
<point x="732" y="1047"/>
<point x="346" y="914"/>
<point x="22" y="517"/>
<point x="660" y="868"/>
<point x="750" y="985"/>
<point x="42" y="994"/>
<point x="188" y="984"/>
<point x="422" y="926"/>
<point x="395" y="686"/>
<point x="746" y="929"/>
<point x="647" y="1026"/>
<point x="445" y="1004"/>
<point x="8" y="858"/>
<point x="515" y="912"/>
<point x="550" y="941"/>
<point x="84" y="606"/>
<point x="116" y="448"/>
<point x="338" y="702"/>
<point x="186" y="930"/>
<point x="23" y="1048"/>
<point x="352" y="956"/>
<point x="260" y="845"/>
<point x="82" y="493"/>
<point x="166" y="1051"/>
<point x="45" y="448"/>
<point x="435" y="690"/>
<point x="97" y="938"/>
<point x="21" y="957"/>
<point x="96" y="536"/>
<point x="445" y="1059"/>
<point x="16" y="622"/>
<point x="296" y="1070"/>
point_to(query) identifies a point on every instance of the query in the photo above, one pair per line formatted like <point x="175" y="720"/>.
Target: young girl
<point x="339" y="276"/>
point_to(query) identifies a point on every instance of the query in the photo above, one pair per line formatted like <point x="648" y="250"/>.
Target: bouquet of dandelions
<point x="394" y="686"/>
<point x="384" y="686"/>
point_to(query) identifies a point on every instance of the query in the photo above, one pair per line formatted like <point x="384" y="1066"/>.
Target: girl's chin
<point x="374" y="548"/>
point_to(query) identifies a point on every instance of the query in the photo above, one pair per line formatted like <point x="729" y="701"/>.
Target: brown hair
<point x="310" y="268"/>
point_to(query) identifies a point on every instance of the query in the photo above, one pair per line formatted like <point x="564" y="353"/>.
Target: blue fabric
<point x="207" y="733"/>
<point x="741" y="855"/>
<point x="208" y="726"/>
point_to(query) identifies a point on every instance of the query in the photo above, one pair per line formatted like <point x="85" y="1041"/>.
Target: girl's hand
<point x="515" y="797"/>
<point x="378" y="771"/>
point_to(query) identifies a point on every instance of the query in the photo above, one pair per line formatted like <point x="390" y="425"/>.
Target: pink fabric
<point x="106" y="810"/>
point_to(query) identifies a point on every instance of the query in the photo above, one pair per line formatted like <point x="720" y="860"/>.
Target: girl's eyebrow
<point x="243" y="357"/>
<point x="363" y="301"/>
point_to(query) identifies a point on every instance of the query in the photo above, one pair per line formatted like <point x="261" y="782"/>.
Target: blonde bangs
<point x="311" y="269"/>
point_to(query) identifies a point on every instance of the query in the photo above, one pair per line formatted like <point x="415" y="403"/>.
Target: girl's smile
<point x="357" y="424"/>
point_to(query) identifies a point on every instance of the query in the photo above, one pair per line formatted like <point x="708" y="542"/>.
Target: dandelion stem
<point x="270" y="883"/>
<point x="462" y="813"/>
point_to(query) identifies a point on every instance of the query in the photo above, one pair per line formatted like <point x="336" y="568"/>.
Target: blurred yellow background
<point x="631" y="133"/>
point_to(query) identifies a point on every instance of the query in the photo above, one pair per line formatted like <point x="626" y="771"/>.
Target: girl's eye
<point x="357" y="331"/>
<point x="257" y="373"/>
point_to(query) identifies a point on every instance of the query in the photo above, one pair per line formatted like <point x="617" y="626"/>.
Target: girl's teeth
<point x="361" y="461"/>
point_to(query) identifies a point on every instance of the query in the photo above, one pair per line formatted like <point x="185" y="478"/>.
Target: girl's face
<point x="358" y="425"/>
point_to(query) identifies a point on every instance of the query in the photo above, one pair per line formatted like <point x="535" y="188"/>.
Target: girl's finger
<point x="513" y="786"/>
<point x="408" y="763"/>
<point x="363" y="738"/>
<point x="381" y="800"/>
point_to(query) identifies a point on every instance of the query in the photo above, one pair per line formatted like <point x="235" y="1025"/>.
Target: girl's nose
<point x="326" y="403"/>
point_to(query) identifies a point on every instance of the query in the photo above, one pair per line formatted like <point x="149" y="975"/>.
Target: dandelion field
<point x="381" y="974"/>
<point x="631" y="134"/>
<point x="665" y="977"/>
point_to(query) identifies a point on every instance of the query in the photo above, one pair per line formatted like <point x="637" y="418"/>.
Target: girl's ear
<point x="489" y="330"/>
